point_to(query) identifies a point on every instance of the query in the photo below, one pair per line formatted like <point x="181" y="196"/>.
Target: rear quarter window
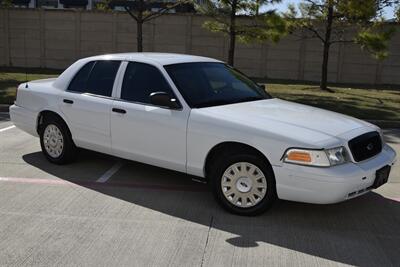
<point x="78" y="83"/>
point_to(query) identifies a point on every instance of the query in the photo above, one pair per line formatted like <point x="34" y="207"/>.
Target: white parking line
<point x="7" y="128"/>
<point x="104" y="178"/>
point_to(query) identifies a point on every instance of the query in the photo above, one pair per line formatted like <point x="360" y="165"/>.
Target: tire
<point x="51" y="131"/>
<point x="223" y="180"/>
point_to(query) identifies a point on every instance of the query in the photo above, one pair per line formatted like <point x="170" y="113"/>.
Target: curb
<point x="4" y="108"/>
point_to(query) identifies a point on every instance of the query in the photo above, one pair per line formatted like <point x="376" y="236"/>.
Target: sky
<point x="389" y="12"/>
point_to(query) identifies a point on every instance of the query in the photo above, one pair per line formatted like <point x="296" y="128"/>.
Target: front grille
<point x="365" y="146"/>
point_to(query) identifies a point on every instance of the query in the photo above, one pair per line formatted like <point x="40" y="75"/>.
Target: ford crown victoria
<point x="200" y="116"/>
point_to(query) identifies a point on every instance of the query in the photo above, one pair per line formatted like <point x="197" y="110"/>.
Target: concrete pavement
<point x="145" y="216"/>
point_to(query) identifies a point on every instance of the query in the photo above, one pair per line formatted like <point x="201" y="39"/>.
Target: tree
<point x="331" y="21"/>
<point x="226" y="18"/>
<point x="143" y="11"/>
<point x="5" y="3"/>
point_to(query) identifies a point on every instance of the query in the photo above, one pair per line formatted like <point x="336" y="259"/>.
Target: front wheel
<point x="244" y="184"/>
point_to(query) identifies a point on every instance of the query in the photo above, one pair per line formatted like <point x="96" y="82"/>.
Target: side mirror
<point x="261" y="86"/>
<point x="163" y="99"/>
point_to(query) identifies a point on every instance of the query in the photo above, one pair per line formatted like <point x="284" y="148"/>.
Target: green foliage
<point x="375" y="41"/>
<point x="352" y="21"/>
<point x="103" y="6"/>
<point x="268" y="26"/>
<point x="216" y="26"/>
<point x="250" y="24"/>
<point x="342" y="21"/>
<point x="357" y="10"/>
<point x="398" y="13"/>
<point x="141" y="11"/>
<point x="6" y="3"/>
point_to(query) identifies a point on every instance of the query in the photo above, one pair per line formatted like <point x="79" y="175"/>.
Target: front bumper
<point x="330" y="185"/>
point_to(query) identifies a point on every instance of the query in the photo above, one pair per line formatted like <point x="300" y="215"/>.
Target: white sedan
<point x="200" y="116"/>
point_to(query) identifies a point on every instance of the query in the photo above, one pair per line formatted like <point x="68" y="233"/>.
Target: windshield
<point x="212" y="84"/>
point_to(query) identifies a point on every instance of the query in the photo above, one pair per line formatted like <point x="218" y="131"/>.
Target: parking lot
<point x="102" y="211"/>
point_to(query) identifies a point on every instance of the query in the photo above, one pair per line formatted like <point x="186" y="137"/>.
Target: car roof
<point x="159" y="58"/>
<point x="147" y="57"/>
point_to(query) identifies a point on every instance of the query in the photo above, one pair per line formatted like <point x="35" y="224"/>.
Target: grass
<point x="369" y="104"/>
<point x="11" y="78"/>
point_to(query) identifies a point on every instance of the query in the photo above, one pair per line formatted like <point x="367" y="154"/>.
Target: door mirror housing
<point x="163" y="99"/>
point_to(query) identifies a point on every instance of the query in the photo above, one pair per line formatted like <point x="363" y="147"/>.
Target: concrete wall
<point x="56" y="38"/>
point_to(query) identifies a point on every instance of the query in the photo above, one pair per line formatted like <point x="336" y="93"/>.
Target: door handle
<point x="118" y="110"/>
<point x="68" y="101"/>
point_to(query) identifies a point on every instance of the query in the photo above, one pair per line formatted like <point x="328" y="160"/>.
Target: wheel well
<point x="44" y="115"/>
<point x="231" y="147"/>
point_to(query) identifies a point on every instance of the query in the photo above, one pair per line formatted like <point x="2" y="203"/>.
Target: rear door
<point x="87" y="104"/>
<point x="144" y="132"/>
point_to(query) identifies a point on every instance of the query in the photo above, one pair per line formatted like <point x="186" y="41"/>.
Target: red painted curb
<point x="199" y="188"/>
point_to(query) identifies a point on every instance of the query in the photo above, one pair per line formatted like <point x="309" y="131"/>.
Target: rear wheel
<point x="243" y="184"/>
<point x="56" y="140"/>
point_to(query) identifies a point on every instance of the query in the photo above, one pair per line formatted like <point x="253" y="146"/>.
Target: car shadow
<point x="364" y="231"/>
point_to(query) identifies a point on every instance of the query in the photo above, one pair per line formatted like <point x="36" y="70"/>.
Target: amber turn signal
<point x="299" y="156"/>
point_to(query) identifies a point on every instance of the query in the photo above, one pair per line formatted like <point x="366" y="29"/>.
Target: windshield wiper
<point x="248" y="99"/>
<point x="221" y="102"/>
<point x="213" y="103"/>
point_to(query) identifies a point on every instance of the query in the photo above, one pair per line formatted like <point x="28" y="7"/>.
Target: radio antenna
<point x="25" y="61"/>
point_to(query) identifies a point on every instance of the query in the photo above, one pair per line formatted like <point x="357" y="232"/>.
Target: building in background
<point x="91" y="4"/>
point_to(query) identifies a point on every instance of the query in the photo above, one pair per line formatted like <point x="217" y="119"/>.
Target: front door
<point x="143" y="132"/>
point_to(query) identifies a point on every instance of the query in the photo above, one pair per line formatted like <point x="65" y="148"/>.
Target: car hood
<point x="281" y="117"/>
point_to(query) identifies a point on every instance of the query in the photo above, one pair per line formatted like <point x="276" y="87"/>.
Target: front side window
<point x="96" y="77"/>
<point x="141" y="80"/>
<point x="212" y="84"/>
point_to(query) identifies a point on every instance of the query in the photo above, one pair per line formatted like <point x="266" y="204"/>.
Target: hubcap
<point x="244" y="184"/>
<point x="53" y="141"/>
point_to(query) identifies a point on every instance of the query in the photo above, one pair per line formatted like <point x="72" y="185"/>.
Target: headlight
<point x="320" y="158"/>
<point x="336" y="155"/>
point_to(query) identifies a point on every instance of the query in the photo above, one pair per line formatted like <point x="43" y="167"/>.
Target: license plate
<point x="382" y="176"/>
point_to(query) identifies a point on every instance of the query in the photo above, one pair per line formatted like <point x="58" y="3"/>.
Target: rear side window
<point x="101" y="79"/>
<point x="78" y="83"/>
<point x="96" y="77"/>
<point x="141" y="80"/>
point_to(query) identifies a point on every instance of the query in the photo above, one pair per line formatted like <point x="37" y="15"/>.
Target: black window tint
<point x="211" y="84"/>
<point x="141" y="80"/>
<point x="101" y="79"/>
<point x="78" y="83"/>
